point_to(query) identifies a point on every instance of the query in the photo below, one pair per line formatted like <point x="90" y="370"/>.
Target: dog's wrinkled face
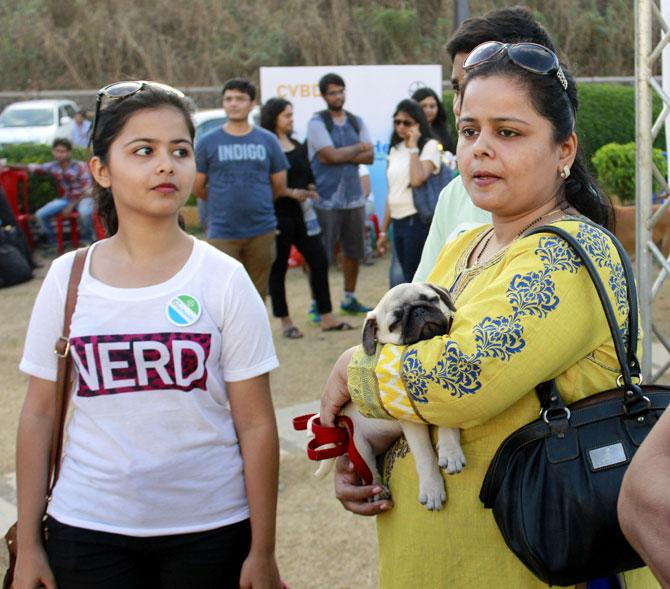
<point x="408" y="313"/>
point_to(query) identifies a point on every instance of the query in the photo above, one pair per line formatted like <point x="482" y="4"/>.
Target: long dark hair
<point x="270" y="111"/>
<point x="559" y="107"/>
<point x="111" y="121"/>
<point x="439" y="125"/>
<point x="412" y="109"/>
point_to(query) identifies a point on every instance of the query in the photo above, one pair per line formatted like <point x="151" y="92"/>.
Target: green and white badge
<point x="183" y="310"/>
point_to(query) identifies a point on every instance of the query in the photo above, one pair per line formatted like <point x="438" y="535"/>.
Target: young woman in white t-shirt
<point x="413" y="157"/>
<point x="169" y="473"/>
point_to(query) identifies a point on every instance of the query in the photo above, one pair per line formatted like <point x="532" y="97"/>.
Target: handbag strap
<point x="64" y="374"/>
<point x="626" y="355"/>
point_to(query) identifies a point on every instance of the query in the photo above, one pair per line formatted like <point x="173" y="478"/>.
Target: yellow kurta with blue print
<point x="528" y="315"/>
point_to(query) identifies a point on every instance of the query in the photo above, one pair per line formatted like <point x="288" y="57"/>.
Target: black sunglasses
<point x="121" y="90"/>
<point x="529" y="56"/>
<point x="403" y="122"/>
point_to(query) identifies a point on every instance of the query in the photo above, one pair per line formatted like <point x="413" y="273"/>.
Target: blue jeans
<point x="409" y="235"/>
<point x="46" y="214"/>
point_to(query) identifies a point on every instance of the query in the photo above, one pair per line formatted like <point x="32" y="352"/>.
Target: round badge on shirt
<point x="183" y="310"/>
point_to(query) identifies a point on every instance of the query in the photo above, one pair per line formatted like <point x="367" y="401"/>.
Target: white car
<point x="206" y="120"/>
<point x="37" y="121"/>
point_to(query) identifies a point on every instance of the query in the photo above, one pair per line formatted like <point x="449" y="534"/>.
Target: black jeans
<point x="83" y="559"/>
<point x="292" y="231"/>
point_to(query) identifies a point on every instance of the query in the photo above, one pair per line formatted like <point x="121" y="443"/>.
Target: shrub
<point x="615" y="168"/>
<point x="41" y="188"/>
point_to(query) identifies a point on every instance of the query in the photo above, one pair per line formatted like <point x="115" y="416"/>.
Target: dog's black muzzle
<point x="423" y="321"/>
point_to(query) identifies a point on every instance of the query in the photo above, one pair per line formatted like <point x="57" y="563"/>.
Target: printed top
<point x="73" y="182"/>
<point x="529" y="314"/>
<point x="151" y="448"/>
<point x="239" y="189"/>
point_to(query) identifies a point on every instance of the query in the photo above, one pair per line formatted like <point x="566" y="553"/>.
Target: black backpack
<point x="324" y="115"/>
<point x="16" y="263"/>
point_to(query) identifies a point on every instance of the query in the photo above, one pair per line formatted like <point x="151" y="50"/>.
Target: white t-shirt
<point x="400" y="191"/>
<point x="151" y="447"/>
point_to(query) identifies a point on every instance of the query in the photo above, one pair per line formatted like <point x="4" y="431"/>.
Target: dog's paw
<point x="453" y="462"/>
<point x="432" y="495"/>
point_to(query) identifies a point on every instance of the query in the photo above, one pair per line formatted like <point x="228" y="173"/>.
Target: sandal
<point x="341" y="326"/>
<point x="292" y="332"/>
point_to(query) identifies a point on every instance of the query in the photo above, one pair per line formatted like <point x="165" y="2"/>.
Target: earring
<point x="565" y="173"/>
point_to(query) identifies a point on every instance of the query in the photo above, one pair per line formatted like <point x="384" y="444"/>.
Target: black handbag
<point x="553" y="484"/>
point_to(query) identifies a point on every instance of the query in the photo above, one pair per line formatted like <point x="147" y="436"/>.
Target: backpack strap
<point x="327" y="119"/>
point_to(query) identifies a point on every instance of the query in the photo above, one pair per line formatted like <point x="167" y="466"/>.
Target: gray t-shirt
<point x="338" y="185"/>
<point x="239" y="192"/>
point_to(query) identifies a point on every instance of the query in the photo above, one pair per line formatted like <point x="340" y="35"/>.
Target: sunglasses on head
<point x="403" y="122"/>
<point x="529" y="56"/>
<point x="121" y="90"/>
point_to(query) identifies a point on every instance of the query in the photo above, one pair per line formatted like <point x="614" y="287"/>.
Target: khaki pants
<point x="256" y="254"/>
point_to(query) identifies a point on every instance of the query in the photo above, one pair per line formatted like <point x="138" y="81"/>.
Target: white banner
<point x="373" y="91"/>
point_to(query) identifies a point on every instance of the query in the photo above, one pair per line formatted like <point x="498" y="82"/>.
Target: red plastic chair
<point x="70" y="218"/>
<point x="10" y="180"/>
<point x="375" y="223"/>
<point x="74" y="229"/>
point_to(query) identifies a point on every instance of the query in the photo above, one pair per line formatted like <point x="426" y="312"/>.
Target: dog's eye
<point x="393" y="325"/>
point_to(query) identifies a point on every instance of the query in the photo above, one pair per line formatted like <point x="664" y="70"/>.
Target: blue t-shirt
<point x="338" y="185"/>
<point x="239" y="192"/>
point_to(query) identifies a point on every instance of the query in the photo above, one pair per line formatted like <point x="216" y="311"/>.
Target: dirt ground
<point x="313" y="530"/>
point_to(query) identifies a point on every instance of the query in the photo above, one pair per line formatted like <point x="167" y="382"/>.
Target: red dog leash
<point x="339" y="440"/>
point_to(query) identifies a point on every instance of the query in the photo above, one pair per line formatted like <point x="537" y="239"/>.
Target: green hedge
<point x="41" y="188"/>
<point x="606" y="115"/>
<point x="615" y="168"/>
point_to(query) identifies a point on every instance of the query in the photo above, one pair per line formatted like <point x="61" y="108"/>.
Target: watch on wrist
<point x="413" y="150"/>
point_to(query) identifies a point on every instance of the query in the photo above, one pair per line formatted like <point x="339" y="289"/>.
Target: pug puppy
<point x="406" y="314"/>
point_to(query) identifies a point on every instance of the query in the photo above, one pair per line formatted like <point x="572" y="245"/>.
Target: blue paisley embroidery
<point x="414" y="377"/>
<point x="555" y="253"/>
<point x="530" y="295"/>
<point x="595" y="243"/>
<point x="499" y="338"/>
<point x="456" y="372"/>
<point x="617" y="283"/>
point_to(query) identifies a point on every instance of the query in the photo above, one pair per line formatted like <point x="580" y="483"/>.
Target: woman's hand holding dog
<point x="336" y="394"/>
<point x="355" y="496"/>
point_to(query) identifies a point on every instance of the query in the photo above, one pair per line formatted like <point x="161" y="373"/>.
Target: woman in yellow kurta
<point x="526" y="312"/>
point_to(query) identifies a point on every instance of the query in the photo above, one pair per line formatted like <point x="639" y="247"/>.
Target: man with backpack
<point x="337" y="143"/>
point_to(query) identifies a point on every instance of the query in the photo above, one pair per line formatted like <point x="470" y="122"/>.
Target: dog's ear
<point x="443" y="293"/>
<point x="370" y="335"/>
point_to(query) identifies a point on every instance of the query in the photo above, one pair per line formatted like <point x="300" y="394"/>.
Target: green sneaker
<point x="313" y="315"/>
<point x="353" y="307"/>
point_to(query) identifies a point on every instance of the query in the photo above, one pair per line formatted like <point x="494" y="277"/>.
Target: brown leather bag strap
<point x="64" y="378"/>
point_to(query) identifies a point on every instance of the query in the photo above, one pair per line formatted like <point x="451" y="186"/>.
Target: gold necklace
<point x="485" y="241"/>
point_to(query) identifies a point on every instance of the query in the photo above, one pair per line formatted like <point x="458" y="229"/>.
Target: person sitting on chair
<point x="74" y="191"/>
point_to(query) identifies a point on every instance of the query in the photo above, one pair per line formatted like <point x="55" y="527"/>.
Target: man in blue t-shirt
<point x="338" y="142"/>
<point x="241" y="169"/>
